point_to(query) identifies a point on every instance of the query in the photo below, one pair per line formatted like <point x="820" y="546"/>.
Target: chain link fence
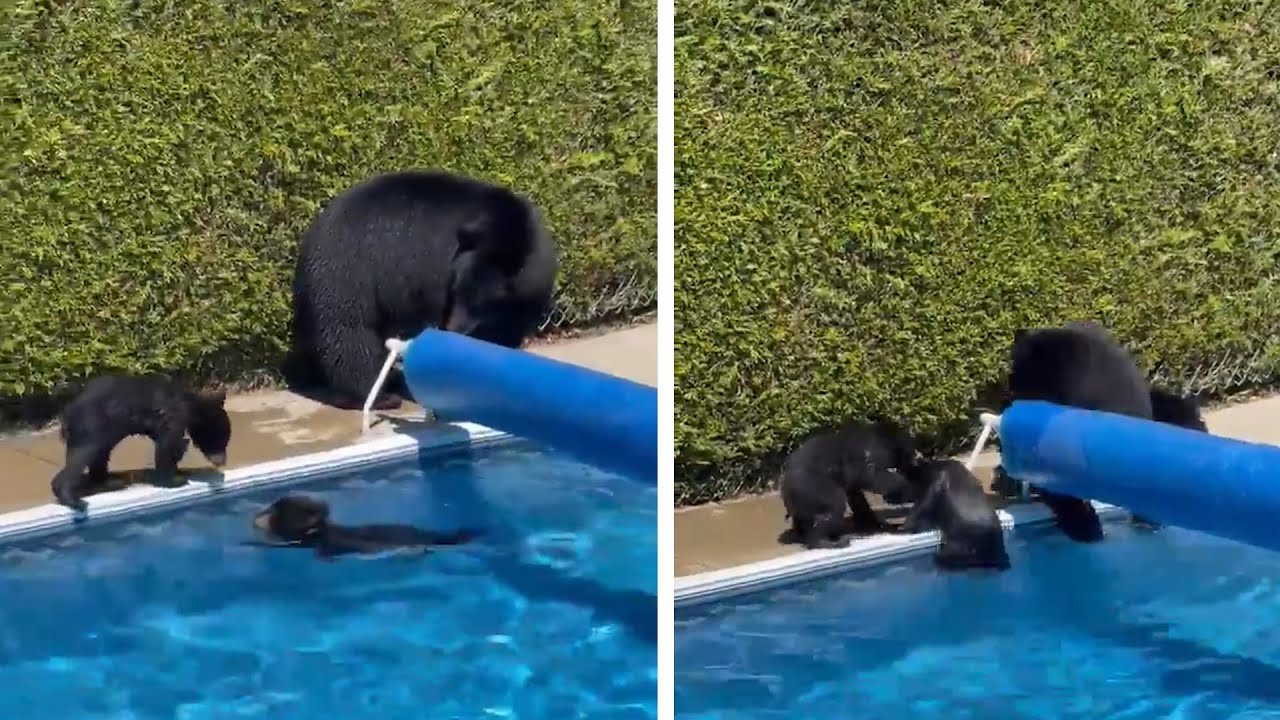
<point x="1219" y="379"/>
<point x="636" y="295"/>
<point x="1222" y="377"/>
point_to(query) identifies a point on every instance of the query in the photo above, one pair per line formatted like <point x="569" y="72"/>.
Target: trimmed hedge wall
<point x="872" y="197"/>
<point x="162" y="158"/>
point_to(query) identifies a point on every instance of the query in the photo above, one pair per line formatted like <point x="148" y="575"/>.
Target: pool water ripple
<point x="1172" y="624"/>
<point x="173" y="617"/>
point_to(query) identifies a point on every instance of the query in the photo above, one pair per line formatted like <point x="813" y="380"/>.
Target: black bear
<point x="113" y="407"/>
<point x="1004" y="485"/>
<point x="954" y="503"/>
<point x="1079" y="365"/>
<point x="406" y="251"/>
<point x="1175" y="409"/>
<point x="830" y="471"/>
<point x="301" y="521"/>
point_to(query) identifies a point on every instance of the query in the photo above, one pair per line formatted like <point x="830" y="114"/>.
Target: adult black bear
<point x="300" y="521"/>
<point x="830" y="472"/>
<point x="405" y="251"/>
<point x="113" y="407"/>
<point x="954" y="503"/>
<point x="1079" y="365"/>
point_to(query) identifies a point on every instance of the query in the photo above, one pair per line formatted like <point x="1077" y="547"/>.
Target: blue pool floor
<point x="1172" y="624"/>
<point x="551" y="614"/>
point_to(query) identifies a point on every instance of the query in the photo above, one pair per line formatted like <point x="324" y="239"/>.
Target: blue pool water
<point x="1173" y="624"/>
<point x="550" y="615"/>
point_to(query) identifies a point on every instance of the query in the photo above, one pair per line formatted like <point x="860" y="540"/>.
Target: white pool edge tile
<point x="754" y="577"/>
<point x="201" y="487"/>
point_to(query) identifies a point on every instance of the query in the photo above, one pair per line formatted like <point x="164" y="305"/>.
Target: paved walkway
<point x="271" y="425"/>
<point x="720" y="535"/>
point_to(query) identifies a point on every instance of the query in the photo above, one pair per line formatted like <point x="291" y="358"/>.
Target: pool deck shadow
<point x="720" y="535"/>
<point x="274" y="425"/>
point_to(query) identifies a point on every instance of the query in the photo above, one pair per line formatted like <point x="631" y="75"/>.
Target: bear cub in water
<point x="301" y="521"/>
<point x="113" y="407"/>
<point x="830" y="472"/>
<point x="954" y="503"/>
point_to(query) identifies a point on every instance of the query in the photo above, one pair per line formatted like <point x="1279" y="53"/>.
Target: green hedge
<point x="872" y="196"/>
<point x="162" y="158"/>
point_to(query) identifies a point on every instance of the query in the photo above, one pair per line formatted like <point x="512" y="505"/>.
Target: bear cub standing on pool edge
<point x="954" y="503"/>
<point x="301" y="521"/>
<point x="113" y="407"/>
<point x="830" y="472"/>
<point x="406" y="251"/>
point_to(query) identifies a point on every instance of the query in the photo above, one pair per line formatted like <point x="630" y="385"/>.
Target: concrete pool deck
<point x="273" y="425"/>
<point x="744" y="530"/>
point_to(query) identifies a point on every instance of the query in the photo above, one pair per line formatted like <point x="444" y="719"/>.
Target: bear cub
<point x="113" y="407"/>
<point x="301" y="521"/>
<point x="954" y="503"/>
<point x="830" y="472"/>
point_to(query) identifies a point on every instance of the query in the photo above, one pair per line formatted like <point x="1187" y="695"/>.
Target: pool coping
<point x="713" y="585"/>
<point x="138" y="500"/>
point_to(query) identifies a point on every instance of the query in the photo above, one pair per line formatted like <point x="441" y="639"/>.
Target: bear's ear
<point x="218" y="397"/>
<point x="471" y="234"/>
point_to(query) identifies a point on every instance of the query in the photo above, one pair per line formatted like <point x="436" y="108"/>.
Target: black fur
<point x="113" y="407"/>
<point x="1182" y="411"/>
<point x="1079" y="365"/>
<point x="955" y="504"/>
<point x="301" y="521"/>
<point x="406" y="251"/>
<point x="1003" y="485"/>
<point x="830" y="472"/>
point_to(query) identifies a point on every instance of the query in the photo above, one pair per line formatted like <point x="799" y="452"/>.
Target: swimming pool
<point x="552" y="614"/>
<point x="1174" y="624"/>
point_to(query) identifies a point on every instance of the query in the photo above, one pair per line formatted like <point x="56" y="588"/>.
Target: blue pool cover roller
<point x="1224" y="487"/>
<point x="602" y="420"/>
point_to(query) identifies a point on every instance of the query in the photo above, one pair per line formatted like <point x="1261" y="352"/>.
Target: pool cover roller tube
<point x="1224" y="487"/>
<point x="599" y="419"/>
